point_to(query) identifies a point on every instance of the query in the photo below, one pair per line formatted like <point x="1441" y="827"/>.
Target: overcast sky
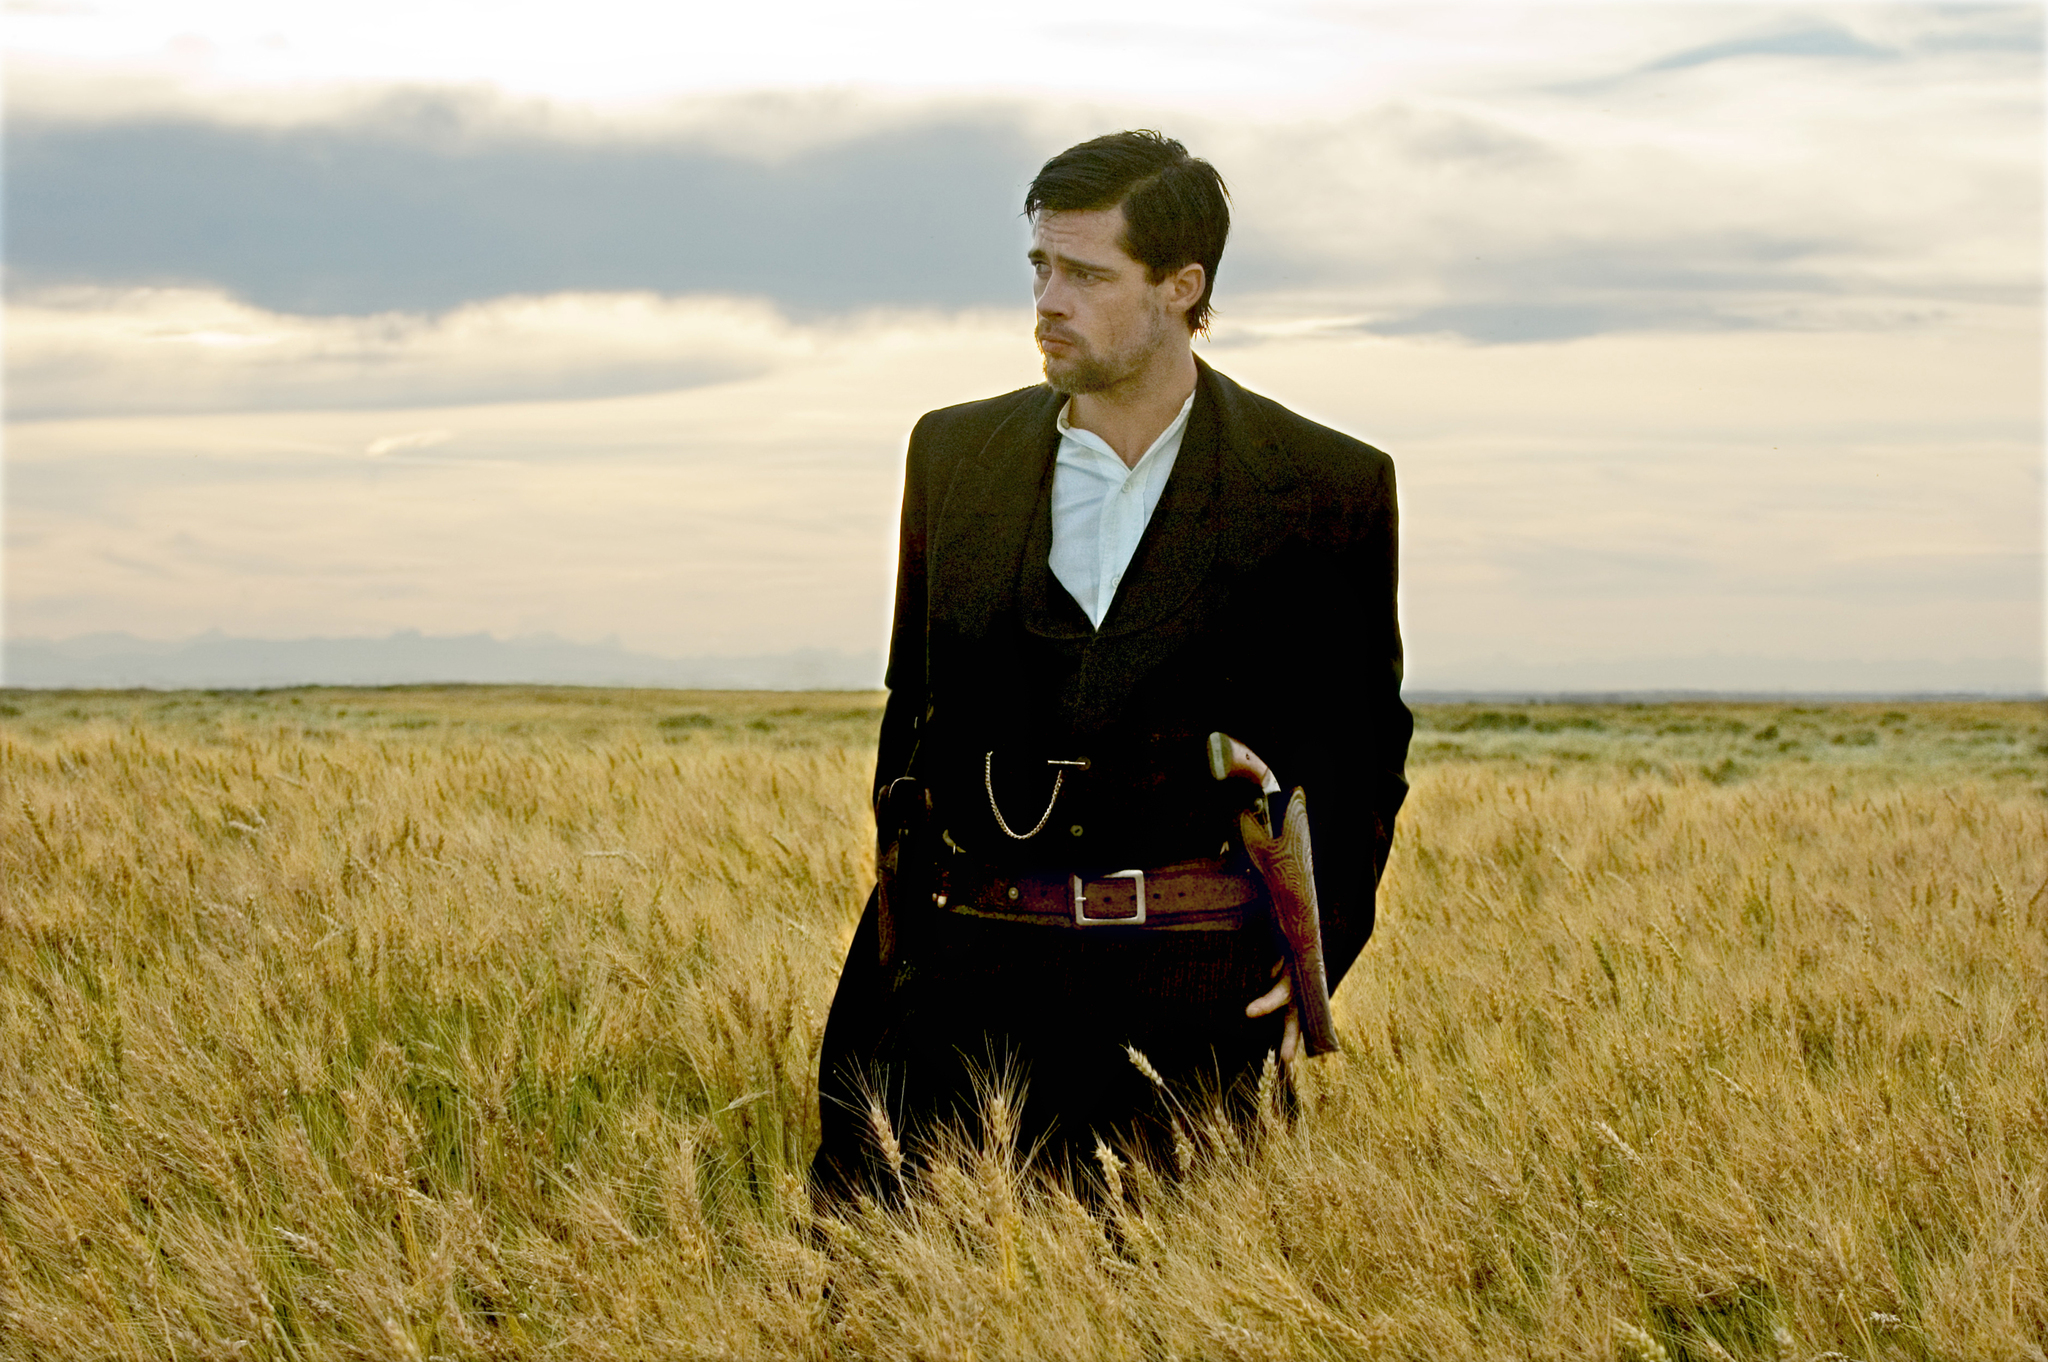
<point x="1706" y="339"/>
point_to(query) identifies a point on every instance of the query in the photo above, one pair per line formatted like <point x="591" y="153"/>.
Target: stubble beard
<point x="1084" y="371"/>
<point x="1081" y="372"/>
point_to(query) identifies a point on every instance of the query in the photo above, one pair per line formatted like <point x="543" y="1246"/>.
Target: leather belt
<point x="1188" y="896"/>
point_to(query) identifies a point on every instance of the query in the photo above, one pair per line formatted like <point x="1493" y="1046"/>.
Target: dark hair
<point x="1176" y="208"/>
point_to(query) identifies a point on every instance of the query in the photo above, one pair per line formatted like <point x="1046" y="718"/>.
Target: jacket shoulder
<point x="1315" y="451"/>
<point x="969" y="420"/>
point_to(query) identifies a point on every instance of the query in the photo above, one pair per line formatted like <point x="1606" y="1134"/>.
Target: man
<point x="1095" y="575"/>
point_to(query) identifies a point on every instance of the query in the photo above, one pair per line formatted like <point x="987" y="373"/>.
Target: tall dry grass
<point x="482" y="1024"/>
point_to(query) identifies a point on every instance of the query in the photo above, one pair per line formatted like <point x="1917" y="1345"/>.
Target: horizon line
<point x="1425" y="696"/>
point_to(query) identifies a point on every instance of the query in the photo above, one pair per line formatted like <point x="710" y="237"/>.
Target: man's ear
<point x="1184" y="286"/>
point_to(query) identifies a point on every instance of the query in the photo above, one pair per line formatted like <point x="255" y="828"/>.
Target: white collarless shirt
<point x="1100" y="508"/>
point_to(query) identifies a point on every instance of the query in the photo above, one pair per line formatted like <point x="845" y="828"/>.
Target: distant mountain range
<point x="216" y="661"/>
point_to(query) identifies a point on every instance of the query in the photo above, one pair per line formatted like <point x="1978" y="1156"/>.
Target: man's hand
<point x="1272" y="1000"/>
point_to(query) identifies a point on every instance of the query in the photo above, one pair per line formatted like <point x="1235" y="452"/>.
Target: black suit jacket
<point x="1260" y="601"/>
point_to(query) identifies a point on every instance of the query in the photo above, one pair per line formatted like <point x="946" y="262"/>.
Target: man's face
<point x="1100" y="320"/>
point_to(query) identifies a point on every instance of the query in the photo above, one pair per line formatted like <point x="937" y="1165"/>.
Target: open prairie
<point x="480" y="1023"/>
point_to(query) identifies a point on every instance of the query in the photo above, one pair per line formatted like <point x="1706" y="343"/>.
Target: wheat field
<point x="480" y="1023"/>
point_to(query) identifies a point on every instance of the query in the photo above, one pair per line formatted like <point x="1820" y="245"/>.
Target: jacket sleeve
<point x="1351" y="765"/>
<point x="906" y="677"/>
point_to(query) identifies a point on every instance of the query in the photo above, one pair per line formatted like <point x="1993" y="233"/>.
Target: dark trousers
<point x="1050" y="1012"/>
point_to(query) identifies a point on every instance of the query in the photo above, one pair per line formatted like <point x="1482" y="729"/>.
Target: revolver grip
<point x="901" y="868"/>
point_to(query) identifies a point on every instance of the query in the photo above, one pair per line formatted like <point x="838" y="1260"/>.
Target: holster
<point x="1288" y="866"/>
<point x="902" y="869"/>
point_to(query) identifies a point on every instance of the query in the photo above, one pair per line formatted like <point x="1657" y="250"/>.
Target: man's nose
<point x="1052" y="299"/>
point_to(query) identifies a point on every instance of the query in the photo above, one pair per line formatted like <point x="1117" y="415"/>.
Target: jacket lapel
<point x="1173" y="554"/>
<point x="1234" y="495"/>
<point x="978" y="540"/>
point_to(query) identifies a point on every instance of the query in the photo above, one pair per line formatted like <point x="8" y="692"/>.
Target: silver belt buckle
<point x="1081" y="918"/>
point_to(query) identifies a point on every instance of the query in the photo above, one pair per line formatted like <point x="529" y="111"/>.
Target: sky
<point x="1706" y="339"/>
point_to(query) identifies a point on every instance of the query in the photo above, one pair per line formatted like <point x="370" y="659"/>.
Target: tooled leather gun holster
<point x="902" y="872"/>
<point x="1287" y="864"/>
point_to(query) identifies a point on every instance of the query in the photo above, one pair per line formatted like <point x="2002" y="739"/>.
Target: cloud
<point x="1824" y="40"/>
<point x="1853" y="493"/>
<point x="1708" y="189"/>
<point x="2015" y="30"/>
<point x="1893" y="35"/>
<point x="1521" y="323"/>
<point x="424" y="203"/>
<point x="412" y="439"/>
<point x="1505" y="223"/>
<point x="106" y="352"/>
